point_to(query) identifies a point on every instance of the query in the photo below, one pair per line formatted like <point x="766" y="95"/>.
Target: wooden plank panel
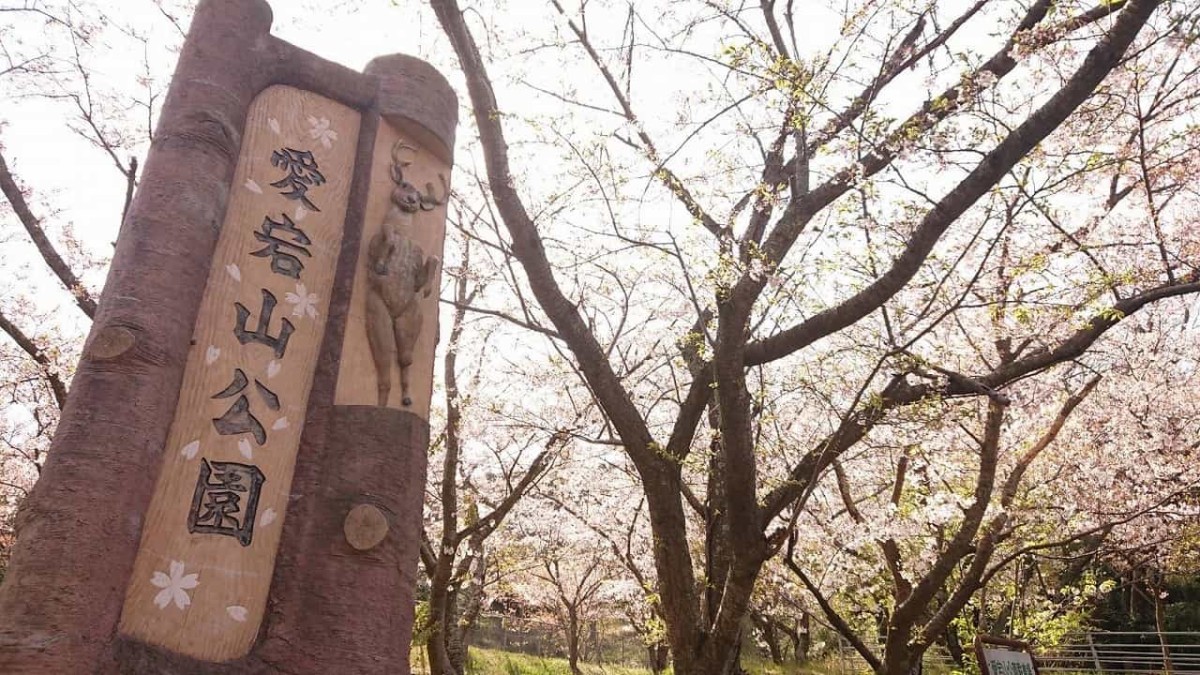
<point x="203" y="571"/>
<point x="357" y="383"/>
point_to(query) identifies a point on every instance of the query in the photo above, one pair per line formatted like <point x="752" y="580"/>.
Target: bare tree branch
<point x="49" y="254"/>
<point x="46" y="366"/>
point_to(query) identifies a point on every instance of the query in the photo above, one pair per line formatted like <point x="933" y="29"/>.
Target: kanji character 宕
<point x="283" y="252"/>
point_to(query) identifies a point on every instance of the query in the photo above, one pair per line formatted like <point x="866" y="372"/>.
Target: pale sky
<point x="76" y="184"/>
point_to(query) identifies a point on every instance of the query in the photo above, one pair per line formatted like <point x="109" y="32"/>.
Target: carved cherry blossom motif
<point x="190" y="449"/>
<point x="174" y="586"/>
<point x="320" y="131"/>
<point x="303" y="301"/>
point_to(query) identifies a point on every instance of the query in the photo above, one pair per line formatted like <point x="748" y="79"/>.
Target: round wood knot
<point x="111" y="342"/>
<point x="365" y="527"/>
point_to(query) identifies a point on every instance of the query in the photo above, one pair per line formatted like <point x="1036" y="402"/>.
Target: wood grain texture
<point x="356" y="379"/>
<point x="215" y="614"/>
<point x="365" y="527"/>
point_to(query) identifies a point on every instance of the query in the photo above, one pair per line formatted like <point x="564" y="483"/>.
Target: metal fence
<point x="615" y="642"/>
<point x="1093" y="652"/>
<point x="842" y="659"/>
<point x="1104" y="652"/>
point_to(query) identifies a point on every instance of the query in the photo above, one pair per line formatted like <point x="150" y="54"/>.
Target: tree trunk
<point x="439" y="613"/>
<point x="1160" y="625"/>
<point x="792" y="633"/>
<point x="954" y="646"/>
<point x="573" y="641"/>
<point x="770" y="636"/>
<point x="659" y="657"/>
<point x="901" y="663"/>
<point x="802" y="637"/>
<point x="468" y="602"/>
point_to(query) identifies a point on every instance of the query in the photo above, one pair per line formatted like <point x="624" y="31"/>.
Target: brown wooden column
<point x="336" y="603"/>
<point x="79" y="531"/>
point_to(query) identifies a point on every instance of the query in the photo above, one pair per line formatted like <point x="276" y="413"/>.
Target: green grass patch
<point x="496" y="662"/>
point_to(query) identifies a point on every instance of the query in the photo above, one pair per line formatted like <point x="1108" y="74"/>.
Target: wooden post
<point x="225" y="493"/>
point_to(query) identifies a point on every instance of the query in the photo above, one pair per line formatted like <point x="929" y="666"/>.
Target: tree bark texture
<point x="331" y="608"/>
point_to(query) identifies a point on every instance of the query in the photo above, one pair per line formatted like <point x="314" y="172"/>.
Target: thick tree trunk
<point x="954" y="646"/>
<point x="801" y="637"/>
<point x="457" y="646"/>
<point x="658" y="656"/>
<point x="468" y="602"/>
<point x="439" y="614"/>
<point x="769" y="633"/>
<point x="572" y="629"/>
<point x="901" y="663"/>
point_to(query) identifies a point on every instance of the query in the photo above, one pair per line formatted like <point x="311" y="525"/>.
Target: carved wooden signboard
<point x="203" y="570"/>
<point x="239" y="472"/>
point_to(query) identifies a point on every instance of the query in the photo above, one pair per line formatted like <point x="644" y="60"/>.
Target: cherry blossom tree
<point x="456" y="559"/>
<point x="614" y="515"/>
<point x="761" y="263"/>
<point x="569" y="575"/>
<point x="892" y="294"/>
<point x="931" y="521"/>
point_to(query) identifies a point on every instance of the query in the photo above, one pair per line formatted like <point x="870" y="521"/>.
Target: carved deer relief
<point x="398" y="275"/>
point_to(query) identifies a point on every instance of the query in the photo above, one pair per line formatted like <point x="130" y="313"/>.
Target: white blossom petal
<point x="174" y="586"/>
<point x="163" y="598"/>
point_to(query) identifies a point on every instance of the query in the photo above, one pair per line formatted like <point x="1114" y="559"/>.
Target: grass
<point x="496" y="662"/>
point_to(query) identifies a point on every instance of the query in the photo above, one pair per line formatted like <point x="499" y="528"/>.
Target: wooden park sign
<point x="1003" y="656"/>
<point x="200" y="582"/>
<point x="237" y="480"/>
